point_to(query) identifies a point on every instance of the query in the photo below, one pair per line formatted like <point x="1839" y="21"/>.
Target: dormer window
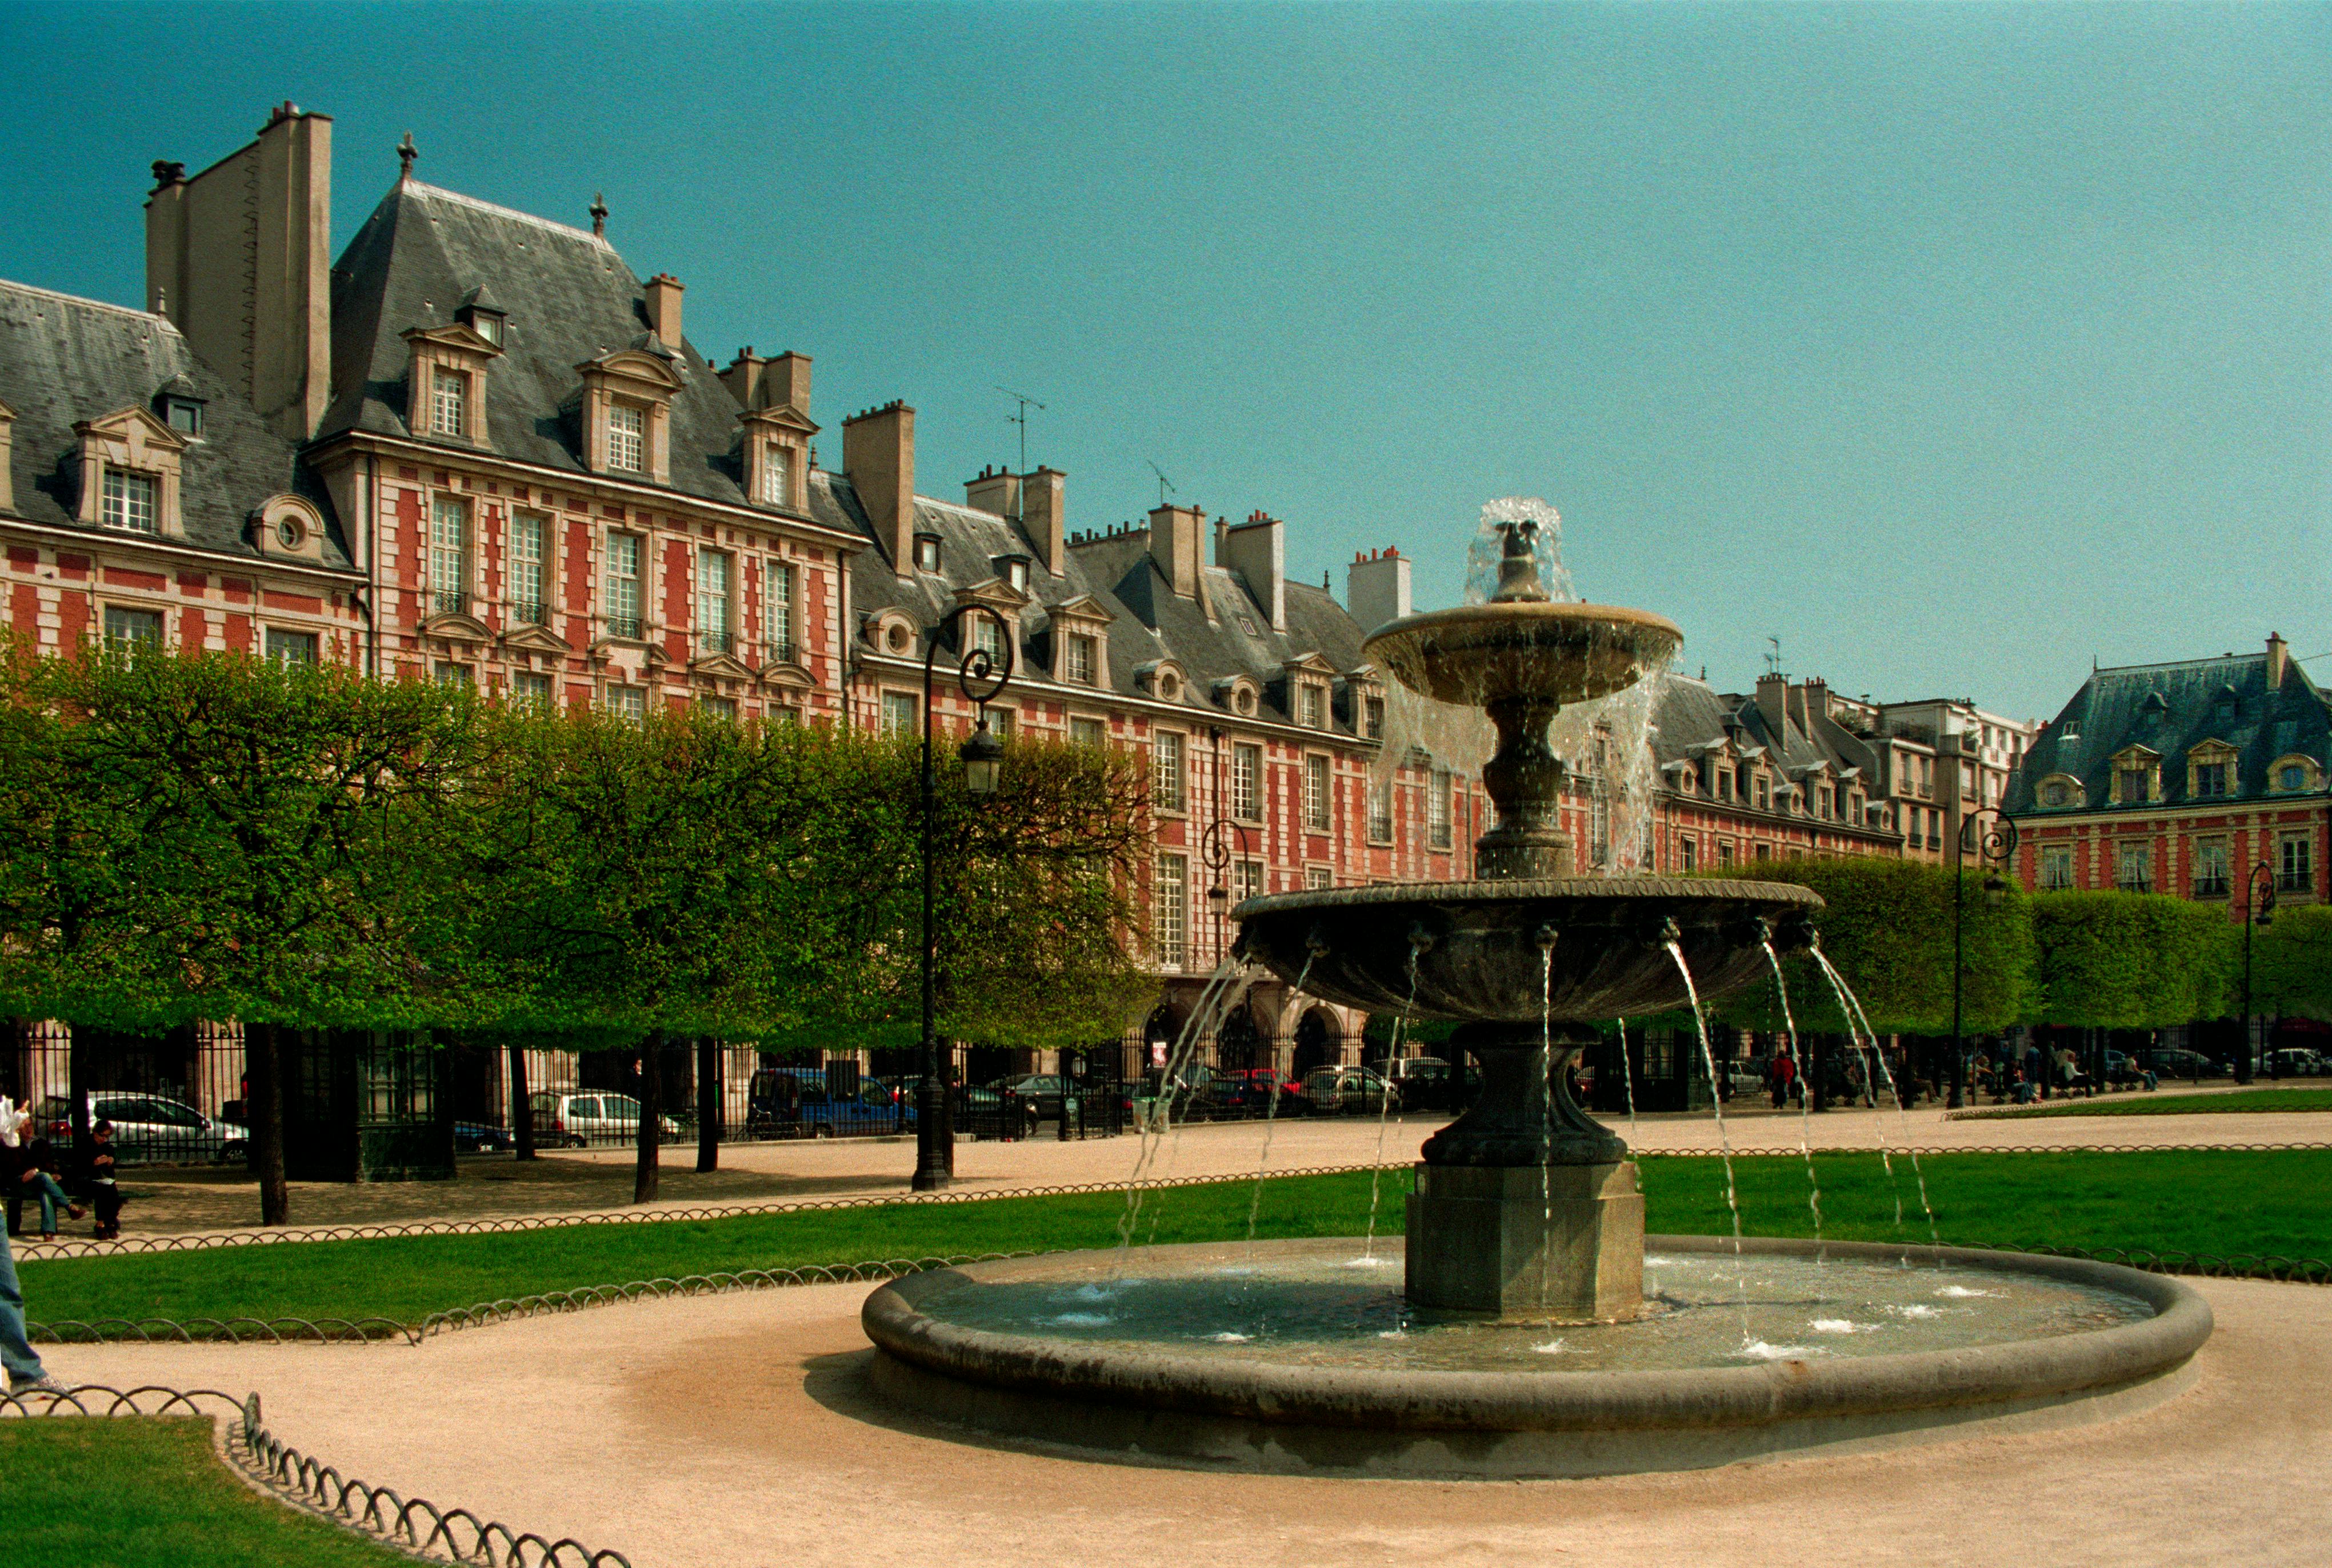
<point x="1016" y="572"/>
<point x="185" y="415"/>
<point x="130" y="472"/>
<point x="777" y="475"/>
<point x="627" y="428"/>
<point x="1077" y="660"/>
<point x="927" y="552"/>
<point x="449" y="404"/>
<point x="2070" y="729"/>
<point x="1372" y="710"/>
<point x="2054" y="794"/>
<point x="1314" y="707"/>
<point x="132" y="502"/>
<point x="988" y="637"/>
<point x="481" y="313"/>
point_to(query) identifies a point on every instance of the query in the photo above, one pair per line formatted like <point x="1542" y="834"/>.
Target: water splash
<point x="1154" y="1133"/>
<point x="1805" y="1098"/>
<point x="1851" y="1006"/>
<point x="1488" y="544"/>
<point x="1636" y="1139"/>
<point x="1724" y="1140"/>
<point x="1271" y="1121"/>
<point x="1418" y="944"/>
<point x="1546" y="939"/>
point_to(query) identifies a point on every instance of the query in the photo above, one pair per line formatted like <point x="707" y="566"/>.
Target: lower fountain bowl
<point x="1270" y="1359"/>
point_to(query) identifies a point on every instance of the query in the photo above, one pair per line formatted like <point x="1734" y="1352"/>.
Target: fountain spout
<point x="1519" y="578"/>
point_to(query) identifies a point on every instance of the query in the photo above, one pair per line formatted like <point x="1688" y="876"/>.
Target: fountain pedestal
<point x="1559" y="1243"/>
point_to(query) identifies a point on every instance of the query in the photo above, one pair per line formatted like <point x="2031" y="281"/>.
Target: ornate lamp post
<point x="1994" y="845"/>
<point x="2259" y="910"/>
<point x="1223" y="841"/>
<point x="980" y="676"/>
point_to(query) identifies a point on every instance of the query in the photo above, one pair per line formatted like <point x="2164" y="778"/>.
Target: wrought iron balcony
<point x="627" y="626"/>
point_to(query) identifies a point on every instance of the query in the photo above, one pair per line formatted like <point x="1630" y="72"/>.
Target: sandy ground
<point x="186" y="1202"/>
<point x="737" y="1430"/>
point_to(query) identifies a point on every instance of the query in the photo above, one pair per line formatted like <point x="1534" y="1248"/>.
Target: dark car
<point x="804" y="1102"/>
<point x="1255" y="1089"/>
<point x="1042" y="1090"/>
<point x="2170" y="1062"/>
<point x="481" y="1138"/>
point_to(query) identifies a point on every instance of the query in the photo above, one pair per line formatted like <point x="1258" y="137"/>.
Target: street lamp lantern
<point x="1995" y="888"/>
<point x="2259" y="899"/>
<point x="1994" y="844"/>
<point x="983" y="760"/>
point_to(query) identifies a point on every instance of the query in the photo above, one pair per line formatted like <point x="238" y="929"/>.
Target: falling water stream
<point x="1851" y="1006"/>
<point x="1635" y="1134"/>
<point x="1805" y="1097"/>
<point x="1724" y="1141"/>
<point x="1546" y="1108"/>
<point x="1154" y="1132"/>
<point x="1418" y="943"/>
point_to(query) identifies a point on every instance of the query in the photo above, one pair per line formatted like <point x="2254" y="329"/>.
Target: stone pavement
<point x="183" y="1202"/>
<point x="736" y="1429"/>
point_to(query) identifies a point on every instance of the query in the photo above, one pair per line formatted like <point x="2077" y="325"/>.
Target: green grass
<point x="89" y="1492"/>
<point x="2160" y="1104"/>
<point x="2219" y="1201"/>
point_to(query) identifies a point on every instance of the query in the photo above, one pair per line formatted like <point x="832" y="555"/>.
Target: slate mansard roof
<point x="1691" y="719"/>
<point x="2169" y="710"/>
<point x="570" y="298"/>
<point x="64" y="360"/>
<point x="1148" y="622"/>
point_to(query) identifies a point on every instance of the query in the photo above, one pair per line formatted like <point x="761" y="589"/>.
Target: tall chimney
<point x="1772" y="702"/>
<point x="1174" y="546"/>
<point x="2277" y="660"/>
<point x="1044" y="516"/>
<point x="786" y="382"/>
<point x="878" y="456"/>
<point x="994" y="491"/>
<point x="1258" y="550"/>
<point x="1376" y="588"/>
<point x="664" y="308"/>
<point x="239" y="258"/>
<point x="746" y="376"/>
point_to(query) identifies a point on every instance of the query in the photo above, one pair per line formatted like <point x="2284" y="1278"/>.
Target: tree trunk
<point x="522" y="1104"/>
<point x="708" y="1103"/>
<point x="643" y="1180"/>
<point x="262" y="1055"/>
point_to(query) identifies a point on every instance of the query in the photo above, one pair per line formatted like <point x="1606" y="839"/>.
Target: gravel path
<point x="735" y="1429"/>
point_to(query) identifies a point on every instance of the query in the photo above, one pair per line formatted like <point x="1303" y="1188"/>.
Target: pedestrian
<point x="104" y="1190"/>
<point x="1785" y="1071"/>
<point x="26" y="1375"/>
<point x="26" y="1158"/>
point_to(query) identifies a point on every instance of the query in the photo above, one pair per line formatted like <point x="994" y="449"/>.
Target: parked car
<point x="1424" y="1082"/>
<point x="2293" y="1062"/>
<point x="151" y="1129"/>
<point x="979" y="1112"/>
<point x="1042" y="1090"/>
<point x="2175" y="1062"/>
<point x="1332" y="1090"/>
<point x="482" y="1138"/>
<point x="580" y="1119"/>
<point x="804" y="1103"/>
<point x="1254" y="1090"/>
<point x="2120" y="1068"/>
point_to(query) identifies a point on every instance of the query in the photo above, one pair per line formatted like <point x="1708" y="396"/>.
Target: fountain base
<point x="1527" y="1243"/>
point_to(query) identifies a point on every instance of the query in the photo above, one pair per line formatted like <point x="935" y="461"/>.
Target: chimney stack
<point x="1044" y="516"/>
<point x="241" y="257"/>
<point x="1376" y="588"/>
<point x="1772" y="702"/>
<point x="664" y="308"/>
<point x="745" y="377"/>
<point x="1258" y="550"/>
<point x="1174" y="546"/>
<point x="786" y="383"/>
<point x="2279" y="659"/>
<point x="878" y="456"/>
<point x="994" y="491"/>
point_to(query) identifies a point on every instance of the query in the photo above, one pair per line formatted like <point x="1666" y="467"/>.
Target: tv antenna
<point x="1773" y="659"/>
<point x="1164" y="484"/>
<point x="1021" y="419"/>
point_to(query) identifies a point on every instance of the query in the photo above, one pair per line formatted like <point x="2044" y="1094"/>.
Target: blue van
<point x="812" y="1102"/>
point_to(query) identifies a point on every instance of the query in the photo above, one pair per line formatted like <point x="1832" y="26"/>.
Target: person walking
<point x="1785" y="1072"/>
<point x="26" y="1375"/>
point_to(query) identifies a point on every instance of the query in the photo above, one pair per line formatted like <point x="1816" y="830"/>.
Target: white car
<point x="150" y="1129"/>
<point x="589" y="1116"/>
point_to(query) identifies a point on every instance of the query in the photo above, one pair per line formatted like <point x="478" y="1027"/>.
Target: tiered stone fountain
<point x="1522" y="1341"/>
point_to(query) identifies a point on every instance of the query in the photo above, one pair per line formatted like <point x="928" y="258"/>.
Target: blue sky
<point x="1954" y="344"/>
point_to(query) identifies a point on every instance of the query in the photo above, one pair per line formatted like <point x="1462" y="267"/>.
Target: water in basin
<point x="1332" y="1306"/>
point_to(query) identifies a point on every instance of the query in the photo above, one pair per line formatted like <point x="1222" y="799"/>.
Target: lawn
<point x="2217" y="1201"/>
<point x="2160" y="1104"/>
<point x="92" y="1492"/>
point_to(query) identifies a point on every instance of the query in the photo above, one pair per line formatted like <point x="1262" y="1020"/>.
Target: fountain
<point x="1519" y="1340"/>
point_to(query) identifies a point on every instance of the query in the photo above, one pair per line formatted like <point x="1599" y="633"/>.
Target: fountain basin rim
<point x="1494" y="616"/>
<point x="2017" y="1373"/>
<point x="1610" y="889"/>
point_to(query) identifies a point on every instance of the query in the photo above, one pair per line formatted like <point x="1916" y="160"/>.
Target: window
<point x="1170" y="909"/>
<point x="1967" y="780"/>
<point x="1724" y="853"/>
<point x="291" y="647"/>
<point x="1318" y="802"/>
<point x="927" y="552"/>
<point x="1166" y="770"/>
<point x="628" y="702"/>
<point x="1381" y="810"/>
<point x="1077" y="661"/>
<point x="899" y="713"/>
<point x="2070" y="731"/>
<point x="1315" y="707"/>
<point x="1316" y="877"/>
<point x="2130" y="785"/>
<point x="777" y="608"/>
<point x="999" y="722"/>
<point x="988" y="637"/>
<point x="1438" y="790"/>
<point x="1725" y="784"/>
<point x="2209" y="868"/>
<point x="129" y="502"/>
<point x="777" y="475"/>
<point x="713" y="631"/>
<point x="2134" y="867"/>
<point x="186" y="415"/>
<point x="2297" y="870"/>
<point x="449" y="403"/>
<point x="2056" y="868"/>
<point x="1375" y="709"/>
<point x="526" y="569"/>
<point x="530" y="691"/>
<point x="2293" y="777"/>
<point x="627" y="438"/>
<point x="1765" y="794"/>
<point x="1764" y="852"/>
<point x="1016" y="572"/>
<point x="623" y="585"/>
<point x="719" y="707"/>
<point x="1926" y="777"/>
<point x="2054" y="794"/>
<point x="456" y="676"/>
<point x="1247" y="783"/>
<point x="2210" y="779"/>
<point x="1247" y="880"/>
<point x="449" y="555"/>
<point x="1688" y="854"/>
<point x="132" y="629"/>
<point x="1088" y="732"/>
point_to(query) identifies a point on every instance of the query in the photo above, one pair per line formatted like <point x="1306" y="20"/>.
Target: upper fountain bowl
<point x="1476" y="654"/>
